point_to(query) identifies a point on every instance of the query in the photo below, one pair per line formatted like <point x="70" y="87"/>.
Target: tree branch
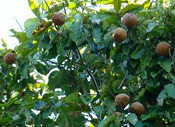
<point x="90" y="74"/>
<point x="121" y="84"/>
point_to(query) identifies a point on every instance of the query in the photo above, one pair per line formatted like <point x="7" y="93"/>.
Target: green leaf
<point x="138" y="52"/>
<point x="24" y="71"/>
<point x="46" y="113"/>
<point x="43" y="68"/>
<point x="30" y="22"/>
<point x="30" y="30"/>
<point x="117" y="5"/>
<point x="151" y="26"/>
<point x="58" y="79"/>
<point x="132" y="118"/>
<point x="97" y="33"/>
<point x="76" y="28"/>
<point x="131" y="7"/>
<point x="161" y="97"/>
<point x="5" y="120"/>
<point x="20" y="35"/>
<point x="170" y="90"/>
<point x="73" y="98"/>
<point x="34" y="7"/>
<point x="99" y="110"/>
<point x="86" y="100"/>
<point x="36" y="119"/>
<point x="151" y="115"/>
<point x="166" y="64"/>
<point x="39" y="104"/>
<point x="125" y="49"/>
<point x="106" y="121"/>
<point x="105" y="1"/>
<point x="146" y="58"/>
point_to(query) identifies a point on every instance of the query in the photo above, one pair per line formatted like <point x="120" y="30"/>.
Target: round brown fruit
<point x="122" y="100"/>
<point x="137" y="108"/>
<point x="129" y="20"/>
<point x="10" y="58"/>
<point x="119" y="34"/>
<point x="163" y="48"/>
<point x="58" y="18"/>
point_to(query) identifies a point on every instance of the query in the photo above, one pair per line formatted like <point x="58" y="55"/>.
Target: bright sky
<point x="9" y="10"/>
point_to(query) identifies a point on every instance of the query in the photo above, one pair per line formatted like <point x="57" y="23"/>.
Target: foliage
<point x="71" y="78"/>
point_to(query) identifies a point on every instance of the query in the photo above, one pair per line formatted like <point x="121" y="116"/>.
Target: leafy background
<point x="70" y="78"/>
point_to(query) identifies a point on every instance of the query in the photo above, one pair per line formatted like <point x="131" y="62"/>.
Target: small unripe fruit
<point x="117" y="113"/>
<point x="60" y="32"/>
<point x="137" y="108"/>
<point x="122" y="100"/>
<point x="75" y="114"/>
<point x="58" y="18"/>
<point x="129" y="20"/>
<point x="10" y="58"/>
<point x="119" y="34"/>
<point x="163" y="49"/>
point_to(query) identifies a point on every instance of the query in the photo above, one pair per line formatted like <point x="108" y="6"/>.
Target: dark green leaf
<point x="166" y="64"/>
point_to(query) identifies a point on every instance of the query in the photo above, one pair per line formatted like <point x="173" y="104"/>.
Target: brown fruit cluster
<point x="58" y="18"/>
<point x="119" y="34"/>
<point x="122" y="100"/>
<point x="163" y="49"/>
<point x="137" y="108"/>
<point x="129" y="20"/>
<point x="10" y="58"/>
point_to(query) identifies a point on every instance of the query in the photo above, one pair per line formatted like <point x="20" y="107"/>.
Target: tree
<point x="71" y="74"/>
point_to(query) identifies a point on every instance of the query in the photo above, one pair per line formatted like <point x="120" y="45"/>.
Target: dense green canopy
<point x="68" y="74"/>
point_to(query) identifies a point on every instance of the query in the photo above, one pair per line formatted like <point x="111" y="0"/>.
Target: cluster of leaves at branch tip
<point x="58" y="18"/>
<point x="120" y="34"/>
<point x="122" y="100"/>
<point x="10" y="58"/>
<point x="163" y="48"/>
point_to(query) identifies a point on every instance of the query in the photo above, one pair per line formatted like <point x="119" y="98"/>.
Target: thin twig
<point x="90" y="74"/>
<point x="47" y="5"/>
<point x="19" y="24"/>
<point x="110" y="92"/>
<point x="64" y="9"/>
<point x="170" y="53"/>
<point x="94" y="81"/>
<point x="121" y="84"/>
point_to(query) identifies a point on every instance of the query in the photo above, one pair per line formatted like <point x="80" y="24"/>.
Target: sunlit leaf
<point x="117" y="5"/>
<point x="132" y="118"/>
<point x="34" y="7"/>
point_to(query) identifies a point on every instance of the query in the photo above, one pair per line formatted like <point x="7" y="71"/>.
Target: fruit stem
<point x="121" y="84"/>
<point x="110" y="92"/>
<point x="64" y="8"/>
